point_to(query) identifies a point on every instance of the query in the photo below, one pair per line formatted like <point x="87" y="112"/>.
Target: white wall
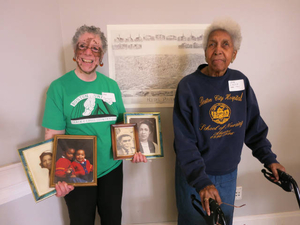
<point x="31" y="57"/>
<point x="38" y="49"/>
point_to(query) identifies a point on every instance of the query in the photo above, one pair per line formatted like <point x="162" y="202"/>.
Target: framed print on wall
<point x="74" y="160"/>
<point x="149" y="132"/>
<point x="37" y="163"/>
<point x="124" y="140"/>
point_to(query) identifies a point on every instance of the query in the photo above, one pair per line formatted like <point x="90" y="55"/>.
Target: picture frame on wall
<point x="149" y="132"/>
<point x="74" y="160"/>
<point x="37" y="163"/>
<point x="124" y="141"/>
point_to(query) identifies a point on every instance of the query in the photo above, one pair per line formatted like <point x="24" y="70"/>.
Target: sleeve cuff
<point x="202" y="184"/>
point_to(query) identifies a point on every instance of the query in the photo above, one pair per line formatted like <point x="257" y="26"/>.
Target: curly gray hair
<point x="228" y="25"/>
<point x="89" y="29"/>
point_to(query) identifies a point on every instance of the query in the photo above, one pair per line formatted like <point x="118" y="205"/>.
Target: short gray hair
<point x="228" y="25"/>
<point x="92" y="30"/>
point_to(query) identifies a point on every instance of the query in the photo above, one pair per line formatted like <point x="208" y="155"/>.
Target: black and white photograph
<point x="148" y="61"/>
<point x="74" y="160"/>
<point x="149" y="132"/>
<point x="124" y="140"/>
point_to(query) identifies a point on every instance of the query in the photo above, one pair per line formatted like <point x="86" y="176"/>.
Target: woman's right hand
<point x="206" y="193"/>
<point x="138" y="157"/>
<point x="62" y="189"/>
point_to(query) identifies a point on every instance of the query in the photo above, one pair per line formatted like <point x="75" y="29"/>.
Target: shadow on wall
<point x="149" y="190"/>
<point x="263" y="197"/>
<point x="41" y="108"/>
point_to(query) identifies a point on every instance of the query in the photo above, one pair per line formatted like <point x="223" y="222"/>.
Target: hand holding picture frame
<point x="149" y="132"/>
<point x="124" y="140"/>
<point x="74" y="160"/>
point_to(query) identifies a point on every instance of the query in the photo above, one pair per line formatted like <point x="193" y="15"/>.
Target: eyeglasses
<point x="83" y="47"/>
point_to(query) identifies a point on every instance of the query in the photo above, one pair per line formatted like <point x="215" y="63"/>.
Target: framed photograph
<point x="124" y="140"/>
<point x="149" y="132"/>
<point x="74" y="160"/>
<point x="37" y="162"/>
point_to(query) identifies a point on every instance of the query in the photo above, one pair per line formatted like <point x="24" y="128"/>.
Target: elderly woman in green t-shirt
<point x="85" y="102"/>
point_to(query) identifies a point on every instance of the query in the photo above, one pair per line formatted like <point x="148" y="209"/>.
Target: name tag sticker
<point x="108" y="97"/>
<point x="236" y="85"/>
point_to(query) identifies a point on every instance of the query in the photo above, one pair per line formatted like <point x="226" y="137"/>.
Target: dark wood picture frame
<point x="124" y="140"/>
<point x="65" y="166"/>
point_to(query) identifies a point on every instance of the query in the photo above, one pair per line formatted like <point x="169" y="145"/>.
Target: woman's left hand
<point x="138" y="157"/>
<point x="273" y="167"/>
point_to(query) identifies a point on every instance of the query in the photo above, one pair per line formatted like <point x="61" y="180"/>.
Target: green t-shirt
<point x="86" y="108"/>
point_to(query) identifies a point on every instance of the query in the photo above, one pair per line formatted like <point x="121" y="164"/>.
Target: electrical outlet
<point x="238" y="193"/>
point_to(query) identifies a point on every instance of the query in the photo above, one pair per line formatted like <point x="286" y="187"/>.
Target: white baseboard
<point x="269" y="219"/>
<point x="266" y="219"/>
<point x="14" y="183"/>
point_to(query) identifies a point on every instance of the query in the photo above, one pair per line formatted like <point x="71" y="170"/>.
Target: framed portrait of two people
<point x="74" y="160"/>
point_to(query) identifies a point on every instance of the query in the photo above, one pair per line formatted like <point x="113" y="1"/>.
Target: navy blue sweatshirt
<point x="213" y="117"/>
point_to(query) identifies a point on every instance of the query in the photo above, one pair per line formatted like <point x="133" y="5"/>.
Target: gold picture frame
<point x="74" y="160"/>
<point x="149" y="132"/>
<point x="124" y="140"/>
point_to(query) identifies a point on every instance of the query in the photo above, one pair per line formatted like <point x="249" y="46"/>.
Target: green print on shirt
<point x="91" y="108"/>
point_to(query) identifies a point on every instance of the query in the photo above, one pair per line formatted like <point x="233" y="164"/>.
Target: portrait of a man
<point x="125" y="145"/>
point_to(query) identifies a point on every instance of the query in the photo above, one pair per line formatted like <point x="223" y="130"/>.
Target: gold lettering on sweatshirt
<point x="220" y="134"/>
<point x="203" y="101"/>
<point x="219" y="98"/>
<point x="207" y="128"/>
<point x="232" y="125"/>
<point x="234" y="98"/>
<point x="221" y="130"/>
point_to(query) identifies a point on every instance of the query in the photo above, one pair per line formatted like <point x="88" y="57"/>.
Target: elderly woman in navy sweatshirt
<point x="215" y="113"/>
